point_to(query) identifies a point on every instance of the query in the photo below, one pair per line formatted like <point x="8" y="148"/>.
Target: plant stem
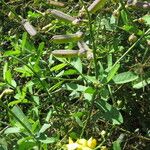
<point x="89" y="113"/>
<point x="96" y="68"/>
<point x="92" y="39"/>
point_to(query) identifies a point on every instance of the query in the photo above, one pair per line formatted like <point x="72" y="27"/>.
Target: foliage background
<point x="53" y="96"/>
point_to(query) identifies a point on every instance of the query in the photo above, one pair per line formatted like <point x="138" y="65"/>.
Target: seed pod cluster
<point x="96" y="5"/>
<point x="29" y="28"/>
<point x="67" y="38"/>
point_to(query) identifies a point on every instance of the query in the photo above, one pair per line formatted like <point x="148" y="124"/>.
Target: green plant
<point x="57" y="93"/>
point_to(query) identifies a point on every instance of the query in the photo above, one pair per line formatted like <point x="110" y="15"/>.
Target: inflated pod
<point x="138" y="5"/>
<point x="85" y="49"/>
<point x="96" y="5"/>
<point x="57" y="4"/>
<point x="29" y="28"/>
<point x="62" y="16"/>
<point x="67" y="38"/>
<point x="65" y="53"/>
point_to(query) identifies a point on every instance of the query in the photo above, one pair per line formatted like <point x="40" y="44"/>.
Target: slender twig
<point x="130" y="48"/>
<point x="89" y="113"/>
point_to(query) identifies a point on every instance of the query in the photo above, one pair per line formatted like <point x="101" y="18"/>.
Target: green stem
<point x="92" y="39"/>
<point x="89" y="113"/>
<point x="96" y="68"/>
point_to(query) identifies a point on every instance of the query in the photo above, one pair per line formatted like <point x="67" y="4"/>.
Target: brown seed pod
<point x="138" y="5"/>
<point x="55" y="3"/>
<point x="65" y="53"/>
<point x="62" y="16"/>
<point x="85" y="49"/>
<point x="67" y="38"/>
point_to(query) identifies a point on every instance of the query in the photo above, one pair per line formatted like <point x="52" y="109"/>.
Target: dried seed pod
<point x="85" y="49"/>
<point x="62" y="16"/>
<point x="65" y="53"/>
<point x="57" y="4"/>
<point x="29" y="28"/>
<point x="138" y="5"/>
<point x="67" y="38"/>
<point x="96" y="5"/>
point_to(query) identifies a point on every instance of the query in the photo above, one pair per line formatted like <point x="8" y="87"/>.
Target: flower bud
<point x="132" y="38"/>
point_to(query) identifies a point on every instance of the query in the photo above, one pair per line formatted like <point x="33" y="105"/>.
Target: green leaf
<point x="112" y="72"/>
<point x="44" y="128"/>
<point x="12" y="130"/>
<point x="24" y="39"/>
<point x="3" y="144"/>
<point x="41" y="47"/>
<point x="125" y="77"/>
<point x="26" y="143"/>
<point x="79" y="121"/>
<point x="76" y="63"/>
<point x="70" y="72"/>
<point x="75" y="87"/>
<point x="116" y="145"/>
<point x="8" y="76"/>
<point x="5" y="70"/>
<point x="132" y="29"/>
<point x="18" y="112"/>
<point x="141" y="84"/>
<point x="108" y="112"/>
<point x="12" y="52"/>
<point x="26" y="72"/>
<point x="147" y="19"/>
<point x="124" y="17"/>
<point x="49" y="140"/>
<point x="58" y="67"/>
<point x="55" y="86"/>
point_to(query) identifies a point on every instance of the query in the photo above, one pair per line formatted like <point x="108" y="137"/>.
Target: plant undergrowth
<point x="98" y="88"/>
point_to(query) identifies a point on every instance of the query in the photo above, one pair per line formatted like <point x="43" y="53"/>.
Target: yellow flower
<point x="91" y="143"/>
<point x="72" y="146"/>
<point x="81" y="144"/>
<point x="104" y="148"/>
<point x="70" y="141"/>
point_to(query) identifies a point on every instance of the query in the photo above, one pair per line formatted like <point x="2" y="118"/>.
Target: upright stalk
<point x="92" y="39"/>
<point x="96" y="68"/>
